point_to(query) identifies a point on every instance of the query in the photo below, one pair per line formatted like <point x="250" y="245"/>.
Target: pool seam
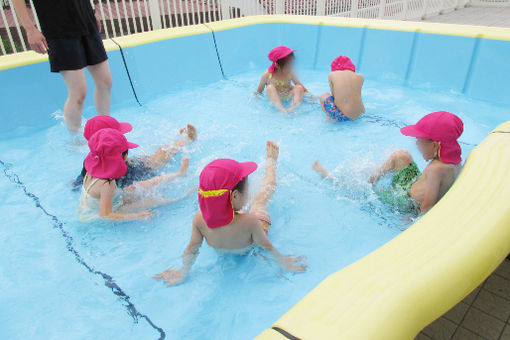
<point x="216" y="49"/>
<point x="127" y="71"/>
<point x="108" y="280"/>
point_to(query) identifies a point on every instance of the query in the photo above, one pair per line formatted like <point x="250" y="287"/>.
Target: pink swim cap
<point x="105" y="157"/>
<point x="277" y="53"/>
<point x="443" y="127"/>
<point x="341" y="63"/>
<point x="216" y="182"/>
<point x="99" y="122"/>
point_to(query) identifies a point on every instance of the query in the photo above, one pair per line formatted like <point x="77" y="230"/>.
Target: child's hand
<point x="296" y="264"/>
<point x="171" y="277"/>
<point x="145" y="215"/>
<point x="373" y="179"/>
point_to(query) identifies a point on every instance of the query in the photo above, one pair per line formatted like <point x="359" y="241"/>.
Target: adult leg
<point x="396" y="162"/>
<point x="274" y="96"/>
<point x="268" y="185"/>
<point x="103" y="80"/>
<point x="76" y="92"/>
<point x="163" y="154"/>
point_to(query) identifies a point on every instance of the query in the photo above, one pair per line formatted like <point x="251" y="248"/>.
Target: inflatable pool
<point x="396" y="290"/>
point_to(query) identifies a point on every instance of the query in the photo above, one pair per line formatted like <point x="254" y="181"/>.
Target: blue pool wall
<point x="475" y="66"/>
<point x="30" y="94"/>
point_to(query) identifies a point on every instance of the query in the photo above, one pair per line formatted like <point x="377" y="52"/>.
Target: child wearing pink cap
<point x="279" y="78"/>
<point x="104" y="165"/>
<point x="345" y="104"/>
<point x="436" y="136"/>
<point x="222" y="195"/>
<point x="139" y="168"/>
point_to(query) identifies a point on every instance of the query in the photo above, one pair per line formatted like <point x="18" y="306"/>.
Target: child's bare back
<point x="346" y="90"/>
<point x="246" y="228"/>
<point x="436" y="174"/>
<point x="238" y="235"/>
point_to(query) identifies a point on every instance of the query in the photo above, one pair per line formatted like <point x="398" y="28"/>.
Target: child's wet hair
<point x="241" y="186"/>
<point x="283" y="61"/>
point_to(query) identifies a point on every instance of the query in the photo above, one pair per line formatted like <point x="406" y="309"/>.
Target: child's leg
<point x="268" y="186"/>
<point x="274" y="96"/>
<point x="396" y="162"/>
<point x="159" y="179"/>
<point x="321" y="170"/>
<point x="297" y="96"/>
<point x="323" y="98"/>
<point x="162" y="155"/>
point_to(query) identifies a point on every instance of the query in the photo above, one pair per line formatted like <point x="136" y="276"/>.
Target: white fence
<point x="122" y="17"/>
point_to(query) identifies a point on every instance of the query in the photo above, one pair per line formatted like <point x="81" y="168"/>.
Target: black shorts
<point x="75" y="53"/>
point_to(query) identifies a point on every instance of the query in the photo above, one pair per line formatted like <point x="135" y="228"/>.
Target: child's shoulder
<point x="438" y="167"/>
<point x="248" y="220"/>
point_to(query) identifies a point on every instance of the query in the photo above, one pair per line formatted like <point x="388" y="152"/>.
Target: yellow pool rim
<point x="398" y="289"/>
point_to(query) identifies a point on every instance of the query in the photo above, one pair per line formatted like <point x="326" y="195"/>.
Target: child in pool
<point x="345" y="104"/>
<point x="222" y="194"/>
<point x="105" y="164"/>
<point x="437" y="135"/>
<point x="138" y="168"/>
<point x="279" y="78"/>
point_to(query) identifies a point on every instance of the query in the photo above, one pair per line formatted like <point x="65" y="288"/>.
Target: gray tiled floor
<point x="484" y="314"/>
<point x="481" y="16"/>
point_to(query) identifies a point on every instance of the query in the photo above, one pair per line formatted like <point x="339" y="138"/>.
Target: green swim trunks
<point x="406" y="177"/>
<point x="398" y="194"/>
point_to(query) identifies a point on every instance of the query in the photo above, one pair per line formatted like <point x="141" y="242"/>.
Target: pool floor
<point x="55" y="269"/>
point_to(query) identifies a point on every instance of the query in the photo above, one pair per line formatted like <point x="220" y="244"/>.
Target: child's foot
<point x="191" y="131"/>
<point x="322" y="171"/>
<point x="184" y="166"/>
<point x="272" y="150"/>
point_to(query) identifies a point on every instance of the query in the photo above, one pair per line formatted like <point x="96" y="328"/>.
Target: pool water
<point x="53" y="289"/>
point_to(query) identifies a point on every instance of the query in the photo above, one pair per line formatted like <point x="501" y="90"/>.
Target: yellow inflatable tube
<point x="397" y="290"/>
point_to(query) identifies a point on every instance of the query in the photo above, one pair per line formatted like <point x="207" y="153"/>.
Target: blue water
<point x="48" y="294"/>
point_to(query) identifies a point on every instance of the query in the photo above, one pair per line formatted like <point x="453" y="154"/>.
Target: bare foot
<point x="322" y="171"/>
<point x="272" y="150"/>
<point x="184" y="166"/>
<point x="191" y="131"/>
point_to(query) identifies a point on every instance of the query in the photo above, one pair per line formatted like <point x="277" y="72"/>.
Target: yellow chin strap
<point x="212" y="193"/>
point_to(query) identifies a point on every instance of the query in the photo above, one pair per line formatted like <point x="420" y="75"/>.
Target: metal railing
<point x="122" y="17"/>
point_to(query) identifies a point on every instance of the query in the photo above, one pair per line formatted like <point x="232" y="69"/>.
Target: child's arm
<point x="173" y="277"/>
<point x="287" y="262"/>
<point x="132" y="203"/>
<point x="432" y="186"/>
<point x="263" y="82"/>
<point x="106" y="202"/>
<point x="296" y="81"/>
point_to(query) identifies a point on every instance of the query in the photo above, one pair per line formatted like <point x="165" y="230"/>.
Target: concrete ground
<point x="480" y="16"/>
<point x="482" y="315"/>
